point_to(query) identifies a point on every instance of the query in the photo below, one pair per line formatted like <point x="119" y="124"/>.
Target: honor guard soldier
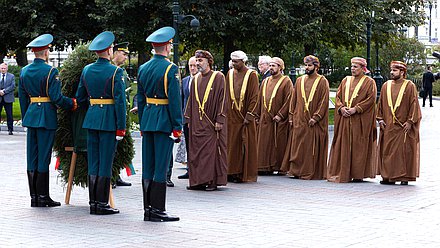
<point x="120" y="52"/>
<point x="102" y="87"/>
<point x="160" y="114"/>
<point x="40" y="94"/>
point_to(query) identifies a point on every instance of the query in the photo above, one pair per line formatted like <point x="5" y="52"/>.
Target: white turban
<point x="239" y="55"/>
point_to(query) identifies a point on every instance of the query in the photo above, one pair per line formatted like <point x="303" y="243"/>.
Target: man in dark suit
<point x="263" y="67"/>
<point x="7" y="86"/>
<point x="428" y="79"/>
<point x="186" y="85"/>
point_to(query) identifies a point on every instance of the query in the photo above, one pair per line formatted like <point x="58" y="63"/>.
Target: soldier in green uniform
<point x="39" y="94"/>
<point x="160" y="115"/>
<point x="120" y="52"/>
<point x="102" y="89"/>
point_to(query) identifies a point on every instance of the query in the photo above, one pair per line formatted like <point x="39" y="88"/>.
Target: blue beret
<point x="103" y="41"/>
<point x="41" y="41"/>
<point x="161" y="35"/>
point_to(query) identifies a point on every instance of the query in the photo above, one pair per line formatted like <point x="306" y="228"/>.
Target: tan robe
<point x="353" y="150"/>
<point x="242" y="139"/>
<point x="307" y="153"/>
<point x="399" y="153"/>
<point x="207" y="156"/>
<point x="272" y="136"/>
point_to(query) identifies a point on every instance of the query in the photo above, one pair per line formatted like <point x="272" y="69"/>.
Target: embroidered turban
<point x="362" y="62"/>
<point x="312" y="59"/>
<point x="278" y="61"/>
<point x="399" y="65"/>
<point x="205" y="54"/>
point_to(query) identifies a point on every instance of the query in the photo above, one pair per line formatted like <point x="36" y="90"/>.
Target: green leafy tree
<point x="68" y="21"/>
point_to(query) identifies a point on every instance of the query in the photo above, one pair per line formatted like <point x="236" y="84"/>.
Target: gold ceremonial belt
<point x="157" y="101"/>
<point x="102" y="101"/>
<point x="40" y="99"/>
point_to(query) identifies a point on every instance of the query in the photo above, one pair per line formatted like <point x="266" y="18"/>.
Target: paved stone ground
<point x="274" y="212"/>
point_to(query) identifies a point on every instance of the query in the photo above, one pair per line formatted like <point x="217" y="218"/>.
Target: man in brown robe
<point x="353" y="150"/>
<point x="399" y="118"/>
<point x="242" y="87"/>
<point x="308" y="115"/>
<point x="272" y="114"/>
<point x="206" y="117"/>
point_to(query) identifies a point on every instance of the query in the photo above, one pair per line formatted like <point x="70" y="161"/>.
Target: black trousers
<point x="428" y="91"/>
<point x="8" y="110"/>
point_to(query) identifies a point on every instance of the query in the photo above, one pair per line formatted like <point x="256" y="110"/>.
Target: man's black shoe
<point x="196" y="187"/>
<point x="357" y="180"/>
<point x="184" y="176"/>
<point x="386" y="182"/>
<point x="120" y="182"/>
<point x="170" y="183"/>
<point x="431" y="105"/>
<point x="10" y="133"/>
<point x="404" y="183"/>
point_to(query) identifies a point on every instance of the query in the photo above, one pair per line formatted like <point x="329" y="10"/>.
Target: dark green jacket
<point x="33" y="83"/>
<point x="159" y="118"/>
<point x="96" y="83"/>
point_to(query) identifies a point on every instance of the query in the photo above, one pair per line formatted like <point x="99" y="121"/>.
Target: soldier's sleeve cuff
<point x="120" y="132"/>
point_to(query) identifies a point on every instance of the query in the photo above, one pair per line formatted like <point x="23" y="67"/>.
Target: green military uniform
<point x="39" y="94"/>
<point x="160" y="114"/>
<point x="101" y="86"/>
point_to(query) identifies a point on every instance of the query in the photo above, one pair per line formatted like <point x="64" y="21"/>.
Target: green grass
<point x="331" y="114"/>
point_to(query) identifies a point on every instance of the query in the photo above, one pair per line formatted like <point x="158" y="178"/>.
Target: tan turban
<point x="205" y="54"/>
<point x="312" y="59"/>
<point x="362" y="62"/>
<point x="399" y="65"/>
<point x="240" y="55"/>
<point x="278" y="61"/>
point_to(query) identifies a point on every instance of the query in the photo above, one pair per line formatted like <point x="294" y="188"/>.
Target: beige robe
<point x="207" y="147"/>
<point x="272" y="136"/>
<point x="353" y="150"/>
<point x="242" y="138"/>
<point x="399" y="153"/>
<point x="306" y="157"/>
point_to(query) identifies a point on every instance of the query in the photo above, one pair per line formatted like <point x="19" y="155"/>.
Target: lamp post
<point x="430" y="12"/>
<point x="292" y="72"/>
<point x="178" y="19"/>
<point x="377" y="77"/>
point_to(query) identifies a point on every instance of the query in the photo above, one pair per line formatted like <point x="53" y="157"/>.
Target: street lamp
<point x="377" y="77"/>
<point x="292" y="72"/>
<point x="179" y="19"/>
<point x="430" y="11"/>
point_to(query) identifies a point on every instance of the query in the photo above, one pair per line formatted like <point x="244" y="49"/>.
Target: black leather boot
<point x="102" y="195"/>
<point x="42" y="186"/>
<point x="169" y="182"/>
<point x="146" y="186"/>
<point x="32" y="180"/>
<point x="157" y="197"/>
<point x="121" y="182"/>
<point x="92" y="193"/>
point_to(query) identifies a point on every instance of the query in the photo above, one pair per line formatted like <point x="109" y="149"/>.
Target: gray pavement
<point x="274" y="212"/>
